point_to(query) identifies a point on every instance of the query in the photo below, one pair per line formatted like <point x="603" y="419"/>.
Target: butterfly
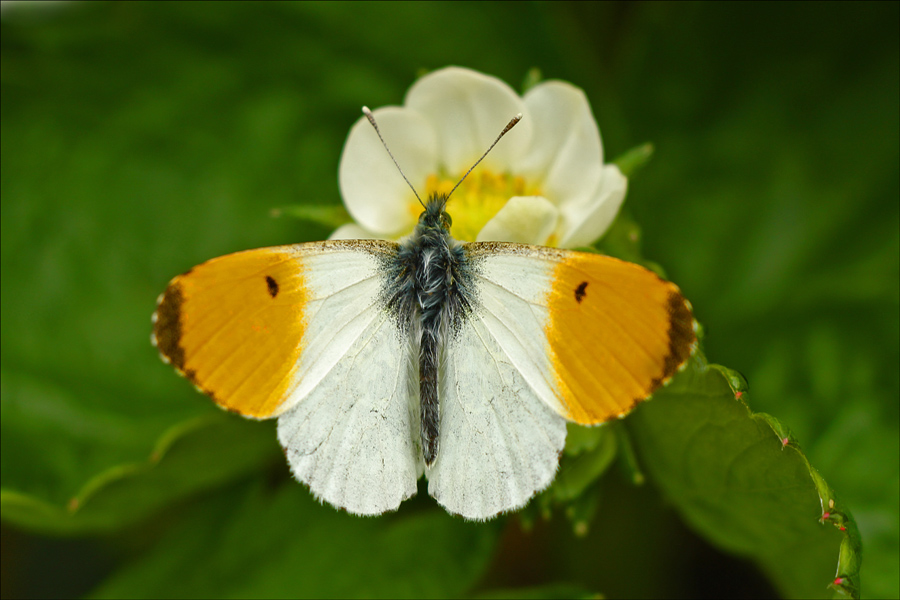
<point x="384" y="361"/>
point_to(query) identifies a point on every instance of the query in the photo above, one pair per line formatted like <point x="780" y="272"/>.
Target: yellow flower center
<point x="477" y="199"/>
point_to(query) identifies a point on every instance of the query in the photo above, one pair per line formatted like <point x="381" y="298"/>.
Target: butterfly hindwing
<point x="499" y="442"/>
<point x="351" y="438"/>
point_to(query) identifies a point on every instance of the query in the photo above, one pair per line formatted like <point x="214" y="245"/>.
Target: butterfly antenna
<point x="371" y="119"/>
<point x="510" y="125"/>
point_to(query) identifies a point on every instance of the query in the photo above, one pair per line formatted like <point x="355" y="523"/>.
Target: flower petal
<point x="373" y="191"/>
<point x="524" y="220"/>
<point x="468" y="110"/>
<point x="585" y="223"/>
<point x="566" y="153"/>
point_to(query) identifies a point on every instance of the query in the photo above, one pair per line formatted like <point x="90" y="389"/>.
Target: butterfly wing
<point x="300" y="332"/>
<point x="555" y="336"/>
<point x="499" y="443"/>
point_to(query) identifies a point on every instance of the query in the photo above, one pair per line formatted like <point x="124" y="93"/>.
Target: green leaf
<point x="588" y="454"/>
<point x="257" y="542"/>
<point x="785" y="242"/>
<point x="330" y="217"/>
<point x="631" y="161"/>
<point x="737" y="479"/>
<point x="190" y="457"/>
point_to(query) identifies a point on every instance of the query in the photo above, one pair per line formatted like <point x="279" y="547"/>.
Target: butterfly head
<point x="435" y="215"/>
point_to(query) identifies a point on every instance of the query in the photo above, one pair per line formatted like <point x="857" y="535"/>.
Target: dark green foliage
<point x="140" y="139"/>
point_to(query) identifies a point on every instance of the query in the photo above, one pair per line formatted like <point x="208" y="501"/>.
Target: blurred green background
<point x="140" y="139"/>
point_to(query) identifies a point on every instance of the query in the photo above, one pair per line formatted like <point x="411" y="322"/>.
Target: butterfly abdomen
<point x="429" y="290"/>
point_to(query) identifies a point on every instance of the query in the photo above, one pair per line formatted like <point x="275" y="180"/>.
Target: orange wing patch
<point x="617" y="332"/>
<point x="233" y="326"/>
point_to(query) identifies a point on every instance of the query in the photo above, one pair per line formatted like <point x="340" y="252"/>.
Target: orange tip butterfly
<point x="384" y="361"/>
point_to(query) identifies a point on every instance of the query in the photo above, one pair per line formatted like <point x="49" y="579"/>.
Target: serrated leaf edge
<point x="846" y="581"/>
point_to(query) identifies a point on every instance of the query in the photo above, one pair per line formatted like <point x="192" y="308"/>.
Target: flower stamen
<point x="477" y="199"/>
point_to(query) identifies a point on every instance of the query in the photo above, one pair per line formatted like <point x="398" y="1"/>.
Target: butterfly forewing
<point x="233" y="326"/>
<point x="593" y="335"/>
<point x="616" y="333"/>
<point x="301" y="332"/>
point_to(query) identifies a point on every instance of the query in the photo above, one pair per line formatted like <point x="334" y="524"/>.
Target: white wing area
<point x="501" y="431"/>
<point x="348" y="427"/>
<point x="514" y="284"/>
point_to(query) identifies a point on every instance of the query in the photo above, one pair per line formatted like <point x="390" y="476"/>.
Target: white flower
<point x="544" y="183"/>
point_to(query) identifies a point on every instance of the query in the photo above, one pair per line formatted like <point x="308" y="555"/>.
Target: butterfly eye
<point x="448" y="221"/>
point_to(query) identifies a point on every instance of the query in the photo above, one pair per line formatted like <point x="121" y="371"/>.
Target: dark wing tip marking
<point x="580" y="292"/>
<point x="167" y="328"/>
<point x="167" y="337"/>
<point x="682" y="337"/>
<point x="272" y="285"/>
<point x="230" y="409"/>
<point x="682" y="341"/>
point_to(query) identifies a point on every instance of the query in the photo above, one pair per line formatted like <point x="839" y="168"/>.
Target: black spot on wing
<point x="273" y="286"/>
<point x="167" y="328"/>
<point x="580" y="292"/>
